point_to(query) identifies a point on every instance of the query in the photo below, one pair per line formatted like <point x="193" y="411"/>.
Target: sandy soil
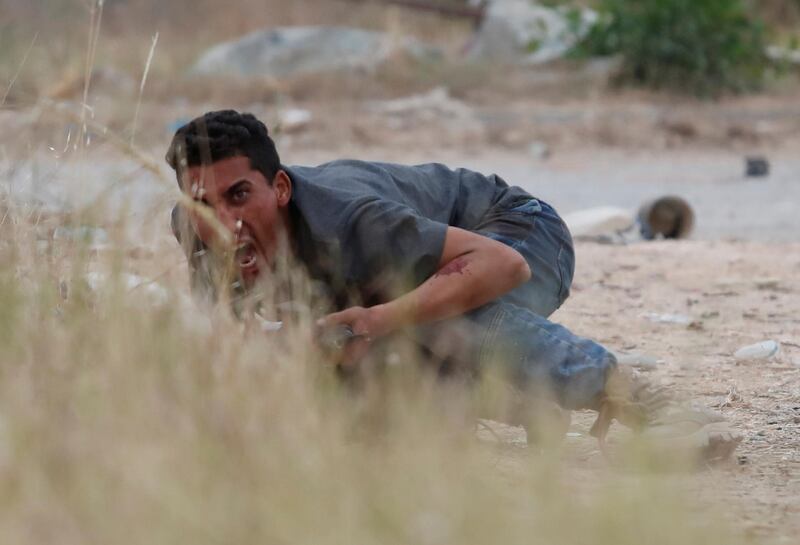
<point x="735" y="293"/>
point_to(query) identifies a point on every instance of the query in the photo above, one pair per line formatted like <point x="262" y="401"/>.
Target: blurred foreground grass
<point x="122" y="421"/>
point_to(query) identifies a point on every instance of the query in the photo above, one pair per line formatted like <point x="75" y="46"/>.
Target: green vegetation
<point x="703" y="47"/>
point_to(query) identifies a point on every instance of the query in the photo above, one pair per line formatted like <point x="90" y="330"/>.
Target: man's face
<point x="248" y="206"/>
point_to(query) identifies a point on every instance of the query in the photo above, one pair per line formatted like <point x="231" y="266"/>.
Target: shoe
<point x="671" y="427"/>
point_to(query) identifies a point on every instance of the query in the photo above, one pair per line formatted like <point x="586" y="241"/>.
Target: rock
<point x="783" y="54"/>
<point x="290" y="51"/>
<point x="525" y="31"/>
<point x="603" y="220"/>
<point x="756" y="167"/>
<point x="763" y="351"/>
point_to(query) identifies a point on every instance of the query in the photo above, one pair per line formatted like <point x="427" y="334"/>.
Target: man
<point x="441" y="252"/>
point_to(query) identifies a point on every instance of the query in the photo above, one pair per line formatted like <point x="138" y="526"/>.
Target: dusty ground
<point x="736" y="293"/>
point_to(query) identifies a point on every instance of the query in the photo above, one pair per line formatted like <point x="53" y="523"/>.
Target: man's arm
<point x="473" y="271"/>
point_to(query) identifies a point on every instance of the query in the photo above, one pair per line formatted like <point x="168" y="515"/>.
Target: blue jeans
<point x="513" y="331"/>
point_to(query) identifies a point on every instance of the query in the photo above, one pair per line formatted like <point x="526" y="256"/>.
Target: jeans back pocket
<point x="532" y="206"/>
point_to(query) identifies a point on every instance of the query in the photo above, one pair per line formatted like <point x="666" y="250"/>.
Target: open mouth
<point x="246" y="255"/>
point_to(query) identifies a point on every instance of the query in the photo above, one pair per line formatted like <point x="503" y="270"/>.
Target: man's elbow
<point x="507" y="265"/>
<point x="519" y="270"/>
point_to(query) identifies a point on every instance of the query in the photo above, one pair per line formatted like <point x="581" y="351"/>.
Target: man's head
<point x="227" y="161"/>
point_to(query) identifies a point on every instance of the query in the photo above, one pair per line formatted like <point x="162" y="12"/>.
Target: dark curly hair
<point x="220" y="135"/>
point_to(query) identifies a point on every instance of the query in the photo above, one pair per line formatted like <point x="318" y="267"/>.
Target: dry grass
<point x="125" y="420"/>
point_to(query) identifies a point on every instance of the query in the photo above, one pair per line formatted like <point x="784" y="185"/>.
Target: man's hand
<point x="367" y="325"/>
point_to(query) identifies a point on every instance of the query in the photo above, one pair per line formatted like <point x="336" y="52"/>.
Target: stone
<point x="523" y="31"/>
<point x="764" y="350"/>
<point x="601" y="220"/>
<point x="290" y="51"/>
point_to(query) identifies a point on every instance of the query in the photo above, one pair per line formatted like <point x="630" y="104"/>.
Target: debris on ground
<point x="762" y="351"/>
<point x="294" y="120"/>
<point x="733" y="399"/>
<point x="665" y="217"/>
<point x="769" y="284"/>
<point x="660" y="218"/>
<point x="680" y="319"/>
<point x="639" y="361"/>
<point x="289" y="51"/>
<point x="524" y="31"/>
<point x="599" y="221"/>
<point x="756" y="167"/>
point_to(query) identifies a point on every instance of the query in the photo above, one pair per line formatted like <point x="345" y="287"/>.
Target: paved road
<point x="727" y="204"/>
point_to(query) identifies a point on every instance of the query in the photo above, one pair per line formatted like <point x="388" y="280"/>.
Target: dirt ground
<point x="732" y="294"/>
<point x="735" y="294"/>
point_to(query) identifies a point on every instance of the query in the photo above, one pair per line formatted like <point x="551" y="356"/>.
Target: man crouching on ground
<point x="470" y="248"/>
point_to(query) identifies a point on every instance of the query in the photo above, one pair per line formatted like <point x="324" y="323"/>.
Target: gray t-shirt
<point x="372" y="228"/>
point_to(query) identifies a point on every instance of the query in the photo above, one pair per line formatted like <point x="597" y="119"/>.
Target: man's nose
<point x="228" y="219"/>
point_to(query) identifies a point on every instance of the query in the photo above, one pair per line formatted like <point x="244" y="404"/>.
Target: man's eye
<point x="240" y="195"/>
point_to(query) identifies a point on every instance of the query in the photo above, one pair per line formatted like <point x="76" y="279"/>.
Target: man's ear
<point x="282" y="185"/>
